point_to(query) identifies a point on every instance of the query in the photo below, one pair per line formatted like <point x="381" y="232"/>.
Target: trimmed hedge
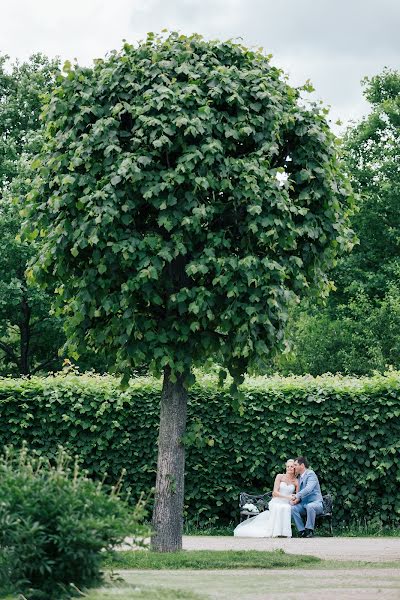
<point x="348" y="428"/>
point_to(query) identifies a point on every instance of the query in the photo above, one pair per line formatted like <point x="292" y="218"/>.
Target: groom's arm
<point x="312" y="483"/>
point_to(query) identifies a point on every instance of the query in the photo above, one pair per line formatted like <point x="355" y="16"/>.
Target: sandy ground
<point x="293" y="584"/>
<point x="365" y="549"/>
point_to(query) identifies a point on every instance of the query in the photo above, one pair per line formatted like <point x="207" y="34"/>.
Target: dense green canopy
<point x="184" y="195"/>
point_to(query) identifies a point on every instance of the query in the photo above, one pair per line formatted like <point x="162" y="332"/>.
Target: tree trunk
<point x="169" y="496"/>
<point x="24" y="327"/>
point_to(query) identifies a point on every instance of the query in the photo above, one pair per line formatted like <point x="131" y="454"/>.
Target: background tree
<point x="373" y="149"/>
<point x="29" y="336"/>
<point x="358" y="331"/>
<point x="22" y="86"/>
<point x="185" y="195"/>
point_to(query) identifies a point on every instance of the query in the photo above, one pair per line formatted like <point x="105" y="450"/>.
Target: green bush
<point x="55" y="523"/>
<point x="348" y="428"/>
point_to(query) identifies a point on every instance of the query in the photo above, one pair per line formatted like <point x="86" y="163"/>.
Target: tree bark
<point x="169" y="495"/>
<point x="24" y="327"/>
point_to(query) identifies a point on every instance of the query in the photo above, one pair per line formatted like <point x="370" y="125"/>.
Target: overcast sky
<point x="334" y="43"/>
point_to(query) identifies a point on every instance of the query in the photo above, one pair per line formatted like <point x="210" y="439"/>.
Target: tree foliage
<point x="358" y="331"/>
<point x="29" y="336"/>
<point x="373" y="153"/>
<point x="22" y="86"/>
<point x="184" y="195"/>
<point x="357" y="338"/>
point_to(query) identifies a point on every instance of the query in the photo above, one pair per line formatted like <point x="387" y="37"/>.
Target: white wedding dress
<point x="274" y="522"/>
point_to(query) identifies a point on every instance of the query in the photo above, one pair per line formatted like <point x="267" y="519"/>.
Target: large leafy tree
<point x="373" y="159"/>
<point x="22" y="86"/>
<point x="358" y="331"/>
<point x="29" y="336"/>
<point x="185" y="194"/>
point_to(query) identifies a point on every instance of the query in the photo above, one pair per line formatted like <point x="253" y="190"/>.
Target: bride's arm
<point x="276" y="493"/>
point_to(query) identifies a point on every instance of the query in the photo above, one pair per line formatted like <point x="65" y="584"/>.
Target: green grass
<point x="208" y="559"/>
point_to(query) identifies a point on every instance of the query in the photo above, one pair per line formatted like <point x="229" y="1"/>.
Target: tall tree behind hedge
<point x="22" y="86"/>
<point x="373" y="158"/>
<point x="29" y="336"/>
<point x="185" y="195"/>
<point x="359" y="330"/>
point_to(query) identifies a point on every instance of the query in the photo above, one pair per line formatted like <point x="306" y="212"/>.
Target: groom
<point x="308" y="500"/>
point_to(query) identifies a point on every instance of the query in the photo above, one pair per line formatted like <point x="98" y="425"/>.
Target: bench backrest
<point x="261" y="501"/>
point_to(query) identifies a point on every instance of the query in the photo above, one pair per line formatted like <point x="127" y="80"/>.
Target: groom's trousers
<point x="312" y="510"/>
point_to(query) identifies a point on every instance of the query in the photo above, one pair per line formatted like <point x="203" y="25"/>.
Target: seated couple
<point x="297" y="495"/>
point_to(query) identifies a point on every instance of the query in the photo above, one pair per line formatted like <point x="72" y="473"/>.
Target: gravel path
<point x="339" y="548"/>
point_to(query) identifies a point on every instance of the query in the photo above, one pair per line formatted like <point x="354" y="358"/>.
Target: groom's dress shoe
<point x="308" y="533"/>
<point x="302" y="533"/>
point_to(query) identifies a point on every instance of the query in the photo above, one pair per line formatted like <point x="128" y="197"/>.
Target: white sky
<point x="334" y="43"/>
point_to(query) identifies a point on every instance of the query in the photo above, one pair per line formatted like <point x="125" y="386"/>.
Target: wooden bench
<point x="260" y="502"/>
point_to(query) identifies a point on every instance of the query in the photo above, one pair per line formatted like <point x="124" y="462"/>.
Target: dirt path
<point x="340" y="548"/>
<point x="256" y="584"/>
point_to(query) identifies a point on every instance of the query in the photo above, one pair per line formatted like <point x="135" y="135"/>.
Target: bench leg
<point x="330" y="526"/>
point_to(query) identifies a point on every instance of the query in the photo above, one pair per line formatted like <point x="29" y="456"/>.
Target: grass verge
<point x="132" y="592"/>
<point x="209" y="559"/>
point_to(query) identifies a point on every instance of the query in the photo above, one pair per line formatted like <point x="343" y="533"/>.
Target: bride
<point x="274" y="522"/>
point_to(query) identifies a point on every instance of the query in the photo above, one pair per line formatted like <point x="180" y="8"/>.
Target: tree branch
<point x="9" y="351"/>
<point x="43" y="364"/>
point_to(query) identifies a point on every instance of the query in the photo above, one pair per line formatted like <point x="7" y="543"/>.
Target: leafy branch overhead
<point x="185" y="194"/>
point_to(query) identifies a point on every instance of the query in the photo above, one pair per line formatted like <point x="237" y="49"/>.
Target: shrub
<point x="348" y="428"/>
<point x="55" y="523"/>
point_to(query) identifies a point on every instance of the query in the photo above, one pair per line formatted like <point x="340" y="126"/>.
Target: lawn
<point x="236" y="575"/>
<point x="187" y="584"/>
<point x="209" y="559"/>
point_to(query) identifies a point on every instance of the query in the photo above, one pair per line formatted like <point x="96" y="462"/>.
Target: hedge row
<point x="348" y="428"/>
